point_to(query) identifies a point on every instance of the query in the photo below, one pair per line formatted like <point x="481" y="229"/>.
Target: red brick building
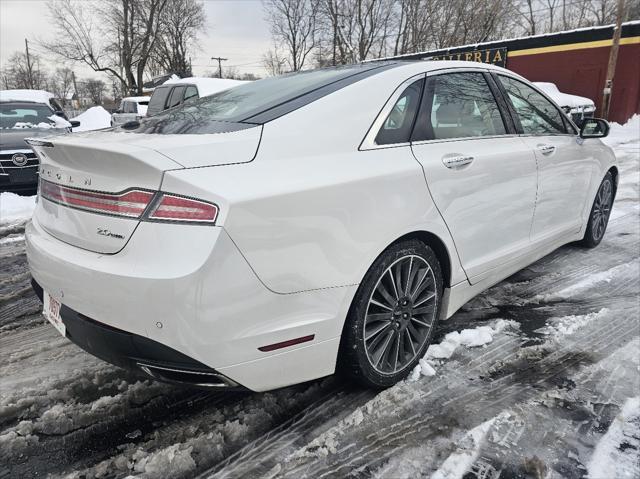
<point x="576" y="61"/>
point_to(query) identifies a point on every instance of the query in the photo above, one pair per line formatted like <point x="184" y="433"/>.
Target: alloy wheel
<point x="400" y="314"/>
<point x="601" y="210"/>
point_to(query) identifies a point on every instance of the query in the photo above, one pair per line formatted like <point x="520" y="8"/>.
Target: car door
<point x="482" y="177"/>
<point x="564" y="168"/>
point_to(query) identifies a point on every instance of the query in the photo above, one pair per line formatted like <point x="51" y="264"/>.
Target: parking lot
<point x="551" y="390"/>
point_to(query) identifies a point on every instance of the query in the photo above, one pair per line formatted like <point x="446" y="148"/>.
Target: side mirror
<point x="74" y="123"/>
<point x="594" y="128"/>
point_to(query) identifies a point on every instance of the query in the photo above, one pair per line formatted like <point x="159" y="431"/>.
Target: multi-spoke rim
<point x="601" y="210"/>
<point x="400" y="314"/>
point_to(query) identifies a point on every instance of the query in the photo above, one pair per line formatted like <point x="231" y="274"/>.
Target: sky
<point x="235" y="29"/>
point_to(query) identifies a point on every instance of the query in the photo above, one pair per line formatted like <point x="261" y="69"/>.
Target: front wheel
<point x="599" y="216"/>
<point x="393" y="315"/>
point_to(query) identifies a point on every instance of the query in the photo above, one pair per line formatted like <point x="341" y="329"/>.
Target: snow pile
<point x="630" y="131"/>
<point x="94" y="118"/>
<point x="567" y="325"/>
<point x="168" y="462"/>
<point x="616" y="454"/>
<point x="57" y="122"/>
<point x="15" y="208"/>
<point x="470" y="338"/>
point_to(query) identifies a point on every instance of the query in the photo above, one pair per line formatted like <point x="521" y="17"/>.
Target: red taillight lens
<point x="131" y="203"/>
<point x="177" y="208"/>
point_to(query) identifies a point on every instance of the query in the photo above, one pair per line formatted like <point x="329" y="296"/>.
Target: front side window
<point x="537" y="115"/>
<point x="459" y="105"/>
<point x="190" y="92"/>
<point x="398" y="124"/>
<point x="176" y="96"/>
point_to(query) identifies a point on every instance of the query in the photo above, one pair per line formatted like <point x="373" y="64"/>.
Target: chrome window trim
<point x="465" y="138"/>
<point x="369" y="141"/>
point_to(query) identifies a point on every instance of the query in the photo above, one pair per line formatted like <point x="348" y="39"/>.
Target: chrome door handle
<point x="456" y="161"/>
<point x="547" y="149"/>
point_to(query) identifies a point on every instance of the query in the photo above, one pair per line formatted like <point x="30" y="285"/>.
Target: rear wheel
<point x="393" y="315"/>
<point x="600" y="211"/>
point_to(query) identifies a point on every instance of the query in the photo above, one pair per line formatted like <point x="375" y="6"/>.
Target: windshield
<point x="14" y="115"/>
<point x="249" y="102"/>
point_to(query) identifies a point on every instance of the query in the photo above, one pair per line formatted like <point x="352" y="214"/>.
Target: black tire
<point x="356" y="356"/>
<point x="599" y="214"/>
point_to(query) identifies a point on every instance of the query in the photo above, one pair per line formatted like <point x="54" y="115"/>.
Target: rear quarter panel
<point x="312" y="211"/>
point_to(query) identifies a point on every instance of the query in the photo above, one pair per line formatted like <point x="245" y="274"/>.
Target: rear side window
<point x="537" y="115"/>
<point x="458" y="105"/>
<point x="158" y="100"/>
<point x="398" y="124"/>
<point x="176" y="96"/>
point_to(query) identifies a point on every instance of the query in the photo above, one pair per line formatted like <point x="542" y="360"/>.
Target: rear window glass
<point x="158" y="100"/>
<point x="241" y="103"/>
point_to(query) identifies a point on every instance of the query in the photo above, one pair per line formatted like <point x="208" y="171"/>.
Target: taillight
<point x="131" y="203"/>
<point x="178" y="208"/>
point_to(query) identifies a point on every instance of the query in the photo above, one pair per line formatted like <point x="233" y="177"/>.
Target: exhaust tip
<point x="202" y="379"/>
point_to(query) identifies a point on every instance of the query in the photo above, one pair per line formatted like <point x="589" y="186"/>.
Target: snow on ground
<point x="94" y="118"/>
<point x="538" y="377"/>
<point x="15" y="208"/>
<point x="618" y="452"/>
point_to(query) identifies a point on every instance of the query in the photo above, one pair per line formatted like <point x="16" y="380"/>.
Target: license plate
<point x="51" y="311"/>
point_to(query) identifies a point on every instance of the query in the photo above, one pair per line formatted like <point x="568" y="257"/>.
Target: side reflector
<point x="285" y="344"/>
<point x="177" y="208"/>
<point x="130" y="204"/>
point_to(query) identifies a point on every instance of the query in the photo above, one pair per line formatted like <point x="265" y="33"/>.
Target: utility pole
<point x="75" y="89"/>
<point x="220" y="60"/>
<point x="613" y="59"/>
<point x="29" y="70"/>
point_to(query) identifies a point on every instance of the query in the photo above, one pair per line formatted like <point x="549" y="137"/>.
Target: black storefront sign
<point x="495" y="56"/>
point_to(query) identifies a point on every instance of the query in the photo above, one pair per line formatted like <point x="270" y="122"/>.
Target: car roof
<point x="136" y="98"/>
<point x="36" y="96"/>
<point x="206" y="86"/>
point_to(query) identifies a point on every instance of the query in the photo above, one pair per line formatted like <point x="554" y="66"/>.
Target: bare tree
<point x="294" y="27"/>
<point x="182" y="21"/>
<point x="274" y="63"/>
<point x="94" y="90"/>
<point x="116" y="37"/>
<point x="62" y="83"/>
<point x="20" y="74"/>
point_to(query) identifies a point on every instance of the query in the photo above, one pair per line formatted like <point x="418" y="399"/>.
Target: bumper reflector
<point x="285" y="344"/>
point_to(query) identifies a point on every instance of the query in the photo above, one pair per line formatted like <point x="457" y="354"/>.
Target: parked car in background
<point x="38" y="96"/>
<point x="327" y="219"/>
<point x="577" y="107"/>
<point x="176" y="92"/>
<point x="131" y="108"/>
<point x="19" y="120"/>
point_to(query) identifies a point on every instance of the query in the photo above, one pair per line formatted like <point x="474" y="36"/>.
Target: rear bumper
<point x="191" y="290"/>
<point x="136" y="352"/>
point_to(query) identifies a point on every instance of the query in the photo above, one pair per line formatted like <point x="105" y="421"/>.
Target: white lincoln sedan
<point x="314" y="222"/>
